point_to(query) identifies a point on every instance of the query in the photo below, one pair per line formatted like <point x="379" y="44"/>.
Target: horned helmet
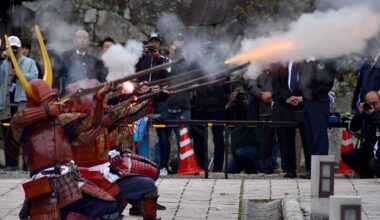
<point x="37" y="90"/>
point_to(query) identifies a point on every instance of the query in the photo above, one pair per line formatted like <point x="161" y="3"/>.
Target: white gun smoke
<point x="321" y="34"/>
<point x="120" y="60"/>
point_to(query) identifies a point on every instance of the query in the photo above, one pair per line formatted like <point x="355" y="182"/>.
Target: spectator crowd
<point x="284" y="92"/>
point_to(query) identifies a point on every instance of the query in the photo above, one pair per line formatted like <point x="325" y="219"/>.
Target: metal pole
<point x="226" y="144"/>
<point x="205" y="131"/>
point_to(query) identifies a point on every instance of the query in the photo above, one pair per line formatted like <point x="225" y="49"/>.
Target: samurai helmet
<point x="41" y="90"/>
<point x="37" y="90"/>
<point x="83" y="103"/>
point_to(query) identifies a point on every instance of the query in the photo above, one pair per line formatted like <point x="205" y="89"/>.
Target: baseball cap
<point x="14" y="41"/>
<point x="154" y="35"/>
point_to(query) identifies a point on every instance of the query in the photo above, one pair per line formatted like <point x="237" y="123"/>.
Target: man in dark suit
<point x="316" y="82"/>
<point x="288" y="106"/>
<point x="78" y="64"/>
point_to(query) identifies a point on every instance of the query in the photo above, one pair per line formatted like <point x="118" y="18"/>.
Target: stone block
<point x="315" y="172"/>
<point x="90" y="15"/>
<point x="337" y="201"/>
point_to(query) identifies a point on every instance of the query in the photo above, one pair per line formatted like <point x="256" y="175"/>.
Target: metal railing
<point x="161" y="123"/>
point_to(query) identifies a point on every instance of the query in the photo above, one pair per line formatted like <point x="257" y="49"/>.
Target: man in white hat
<point x="12" y="95"/>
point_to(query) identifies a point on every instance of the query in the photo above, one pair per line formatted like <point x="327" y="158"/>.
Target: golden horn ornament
<point x="18" y="71"/>
<point x="48" y="73"/>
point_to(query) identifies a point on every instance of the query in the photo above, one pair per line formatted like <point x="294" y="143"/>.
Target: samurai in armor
<point x="56" y="190"/>
<point x="128" y="177"/>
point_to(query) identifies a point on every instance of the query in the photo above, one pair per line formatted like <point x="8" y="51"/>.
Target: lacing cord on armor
<point x="60" y="170"/>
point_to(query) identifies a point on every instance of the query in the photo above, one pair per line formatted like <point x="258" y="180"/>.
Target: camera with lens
<point x="241" y="97"/>
<point x="152" y="49"/>
<point x="367" y="106"/>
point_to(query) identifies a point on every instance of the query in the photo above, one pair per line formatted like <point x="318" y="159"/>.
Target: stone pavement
<point x="219" y="198"/>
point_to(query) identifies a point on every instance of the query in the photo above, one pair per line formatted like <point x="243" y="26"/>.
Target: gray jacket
<point x="262" y="84"/>
<point x="30" y="71"/>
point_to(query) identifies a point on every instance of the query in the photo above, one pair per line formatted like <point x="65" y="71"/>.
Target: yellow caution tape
<point x="6" y="124"/>
<point x="159" y="126"/>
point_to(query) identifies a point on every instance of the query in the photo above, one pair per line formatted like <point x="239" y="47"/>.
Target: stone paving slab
<point x="218" y="199"/>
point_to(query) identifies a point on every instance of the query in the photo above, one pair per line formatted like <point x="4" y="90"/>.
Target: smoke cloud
<point x="58" y="29"/>
<point x="120" y="60"/>
<point x="203" y="46"/>
<point x="322" y="34"/>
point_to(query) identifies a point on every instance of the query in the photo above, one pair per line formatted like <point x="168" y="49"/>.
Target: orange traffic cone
<point x="347" y="144"/>
<point x="188" y="164"/>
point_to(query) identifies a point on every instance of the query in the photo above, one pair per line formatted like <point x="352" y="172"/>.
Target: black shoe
<point x="161" y="207"/>
<point x="290" y="175"/>
<point x="267" y="171"/>
<point x="135" y="211"/>
<point x="305" y="176"/>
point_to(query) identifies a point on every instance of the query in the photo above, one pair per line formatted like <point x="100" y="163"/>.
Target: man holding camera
<point x="359" y="159"/>
<point x="245" y="141"/>
<point x="152" y="57"/>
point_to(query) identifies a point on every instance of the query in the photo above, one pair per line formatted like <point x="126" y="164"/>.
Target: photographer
<point x="245" y="141"/>
<point x="152" y="57"/>
<point x="368" y="112"/>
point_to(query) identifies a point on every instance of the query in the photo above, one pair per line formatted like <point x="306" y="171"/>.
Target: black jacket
<point x="181" y="100"/>
<point x="77" y="67"/>
<point x="283" y="111"/>
<point x="146" y="62"/>
<point x="370" y="124"/>
<point x="317" y="79"/>
<point x="211" y="99"/>
<point x="370" y="78"/>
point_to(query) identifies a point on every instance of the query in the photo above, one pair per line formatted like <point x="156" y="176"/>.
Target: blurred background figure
<point x="106" y="44"/>
<point x="78" y="64"/>
<point x="12" y="95"/>
<point x="288" y="106"/>
<point x="317" y="79"/>
<point x="26" y="48"/>
<point x="261" y="89"/>
<point x="209" y="104"/>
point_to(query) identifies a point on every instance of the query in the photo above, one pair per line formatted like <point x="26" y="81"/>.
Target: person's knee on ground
<point x="92" y="208"/>
<point x="234" y="166"/>
<point x="358" y="160"/>
<point x="133" y="189"/>
<point x="248" y="159"/>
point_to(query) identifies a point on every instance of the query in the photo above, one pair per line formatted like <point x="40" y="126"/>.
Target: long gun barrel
<point x="192" y="85"/>
<point x="82" y="92"/>
<point x="181" y="75"/>
<point x="208" y="76"/>
<point x="222" y="81"/>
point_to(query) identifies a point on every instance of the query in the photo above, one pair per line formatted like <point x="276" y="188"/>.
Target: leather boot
<point x="149" y="206"/>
